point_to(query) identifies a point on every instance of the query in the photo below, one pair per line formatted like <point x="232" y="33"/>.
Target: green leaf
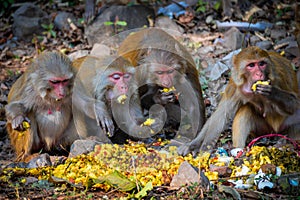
<point x="108" y="23"/>
<point x="121" y="23"/>
<point x="45" y="26"/>
<point x="117" y="180"/>
<point x="217" y="5"/>
<point x="143" y="192"/>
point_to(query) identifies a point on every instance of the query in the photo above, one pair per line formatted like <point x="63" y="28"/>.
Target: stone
<point x="42" y="160"/>
<point x="187" y="175"/>
<point x="233" y="38"/>
<point x="100" y="50"/>
<point x="63" y="20"/>
<point x="168" y="25"/>
<point x="28" y="20"/>
<point x="82" y="147"/>
<point x="135" y="16"/>
<point x="266" y="44"/>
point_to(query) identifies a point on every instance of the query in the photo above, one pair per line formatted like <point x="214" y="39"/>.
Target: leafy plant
<point x="117" y="23"/>
<point x="49" y="30"/>
<point x="4" y="5"/>
<point x="201" y="6"/>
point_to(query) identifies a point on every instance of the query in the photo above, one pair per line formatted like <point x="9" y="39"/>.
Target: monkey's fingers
<point x="17" y="123"/>
<point x="264" y="89"/>
<point x="110" y="127"/>
<point x="184" y="149"/>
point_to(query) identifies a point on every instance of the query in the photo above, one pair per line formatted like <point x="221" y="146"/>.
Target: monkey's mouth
<point x="122" y="98"/>
<point x="253" y="87"/>
<point x="168" y="90"/>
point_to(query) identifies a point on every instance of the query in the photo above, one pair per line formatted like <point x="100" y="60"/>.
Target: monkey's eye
<point x="159" y="72"/>
<point x="170" y="71"/>
<point x="127" y="76"/>
<point x="262" y="63"/>
<point x="116" y="76"/>
<point x="251" y="65"/>
<point x="54" y="81"/>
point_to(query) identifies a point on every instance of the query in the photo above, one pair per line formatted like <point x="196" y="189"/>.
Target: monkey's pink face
<point x="60" y="88"/>
<point x="121" y="82"/>
<point x="164" y="76"/>
<point x="255" y="71"/>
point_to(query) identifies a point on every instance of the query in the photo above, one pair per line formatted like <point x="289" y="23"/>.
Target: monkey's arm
<point x="287" y="102"/>
<point x="213" y="126"/>
<point x="16" y="114"/>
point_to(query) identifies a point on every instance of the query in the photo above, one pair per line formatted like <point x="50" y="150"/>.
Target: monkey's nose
<point x="123" y="89"/>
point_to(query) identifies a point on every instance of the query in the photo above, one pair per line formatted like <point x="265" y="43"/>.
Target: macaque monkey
<point x="167" y="76"/>
<point x="105" y="100"/>
<point x="261" y="97"/>
<point x="39" y="110"/>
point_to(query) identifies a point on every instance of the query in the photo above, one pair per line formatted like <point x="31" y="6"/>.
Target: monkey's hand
<point x="164" y="98"/>
<point x="191" y="147"/>
<point x="104" y="120"/>
<point x="262" y="87"/>
<point x="20" y="123"/>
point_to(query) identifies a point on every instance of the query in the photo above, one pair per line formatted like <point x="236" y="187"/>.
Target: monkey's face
<point x="163" y="75"/>
<point x="119" y="82"/>
<point x="59" y="88"/>
<point x="255" y="70"/>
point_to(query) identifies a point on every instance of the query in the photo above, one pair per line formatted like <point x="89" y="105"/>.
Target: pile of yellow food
<point x="143" y="164"/>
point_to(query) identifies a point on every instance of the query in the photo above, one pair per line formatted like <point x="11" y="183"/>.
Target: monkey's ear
<point x="236" y="74"/>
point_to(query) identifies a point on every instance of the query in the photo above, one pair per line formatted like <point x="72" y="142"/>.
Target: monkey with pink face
<point x="39" y="110"/>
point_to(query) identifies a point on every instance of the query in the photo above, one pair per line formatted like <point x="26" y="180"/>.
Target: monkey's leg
<point x="245" y="122"/>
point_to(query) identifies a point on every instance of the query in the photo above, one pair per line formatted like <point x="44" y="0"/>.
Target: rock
<point x="135" y="16"/>
<point x="63" y="20"/>
<point x="78" y="54"/>
<point x="268" y="168"/>
<point x="209" y="19"/>
<point x="293" y="49"/>
<point x="168" y="25"/>
<point x="233" y="38"/>
<point x="206" y="49"/>
<point x="30" y="180"/>
<point x="223" y="171"/>
<point x="82" y="147"/>
<point x="254" y="39"/>
<point x="42" y="160"/>
<point x="28" y="20"/>
<point x="277" y="34"/>
<point x="266" y="44"/>
<point x="100" y="50"/>
<point x="187" y="175"/>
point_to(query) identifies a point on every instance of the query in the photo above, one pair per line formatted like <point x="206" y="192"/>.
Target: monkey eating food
<point x="167" y="77"/>
<point x="39" y="110"/>
<point x="105" y="100"/>
<point x="272" y="108"/>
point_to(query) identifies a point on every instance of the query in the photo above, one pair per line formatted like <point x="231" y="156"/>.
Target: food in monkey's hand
<point x="121" y="99"/>
<point x="259" y="83"/>
<point x="26" y="125"/>
<point x="167" y="90"/>
<point x="148" y="122"/>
